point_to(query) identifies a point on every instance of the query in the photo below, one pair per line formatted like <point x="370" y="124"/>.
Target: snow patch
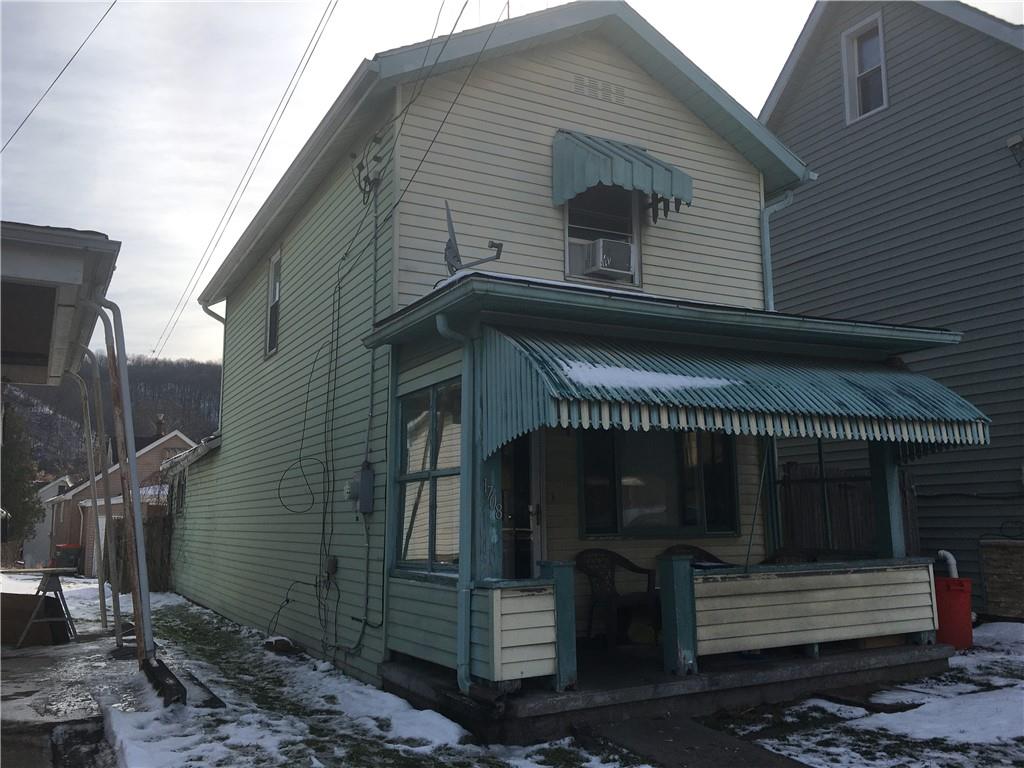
<point x="592" y="375"/>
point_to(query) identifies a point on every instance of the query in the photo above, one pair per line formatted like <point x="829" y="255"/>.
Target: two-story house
<point x="913" y="116"/>
<point x="439" y="477"/>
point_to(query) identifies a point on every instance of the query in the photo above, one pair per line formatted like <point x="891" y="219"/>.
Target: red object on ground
<point x="953" y="597"/>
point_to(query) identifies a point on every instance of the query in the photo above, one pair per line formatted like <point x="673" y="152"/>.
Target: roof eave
<point x="296" y="179"/>
<point x="470" y="295"/>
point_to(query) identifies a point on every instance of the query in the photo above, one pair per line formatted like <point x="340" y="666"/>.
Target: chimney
<point x="159" y="425"/>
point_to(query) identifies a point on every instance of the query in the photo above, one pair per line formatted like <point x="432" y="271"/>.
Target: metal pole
<point x="126" y="488"/>
<point x="90" y="449"/>
<point x="149" y="648"/>
<point x="114" y="575"/>
<point x="824" y="493"/>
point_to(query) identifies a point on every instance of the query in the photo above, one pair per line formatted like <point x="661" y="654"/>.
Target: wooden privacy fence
<point x="156" y="530"/>
<point x="848" y="524"/>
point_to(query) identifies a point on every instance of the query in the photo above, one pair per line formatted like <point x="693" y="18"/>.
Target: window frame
<point x="688" y="532"/>
<point x="851" y="75"/>
<point x="273" y="267"/>
<point x="430" y="475"/>
<point x="635" y="256"/>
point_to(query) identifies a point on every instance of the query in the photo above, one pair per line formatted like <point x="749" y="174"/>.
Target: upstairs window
<point x="273" y="302"/>
<point x="864" y="69"/>
<point x="602" y="235"/>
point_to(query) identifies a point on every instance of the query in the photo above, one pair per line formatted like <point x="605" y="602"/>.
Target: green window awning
<point x="580" y="162"/>
<point x="532" y="380"/>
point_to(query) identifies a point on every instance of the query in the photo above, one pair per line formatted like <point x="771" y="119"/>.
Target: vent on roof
<point x="599" y="89"/>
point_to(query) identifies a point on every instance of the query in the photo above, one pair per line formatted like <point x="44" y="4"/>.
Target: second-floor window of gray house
<point x="602" y="242"/>
<point x="864" y="73"/>
<point x="273" y="302"/>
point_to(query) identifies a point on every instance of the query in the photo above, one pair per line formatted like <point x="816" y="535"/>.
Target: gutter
<point x="223" y="348"/>
<point x="464" y="587"/>
<point x="766" y="248"/>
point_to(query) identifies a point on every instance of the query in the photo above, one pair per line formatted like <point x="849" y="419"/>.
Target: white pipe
<point x="766" y="248"/>
<point x="223" y="347"/>
<point x="950" y="563"/>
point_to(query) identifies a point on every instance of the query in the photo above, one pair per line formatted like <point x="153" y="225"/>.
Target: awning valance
<point x="532" y="380"/>
<point x="580" y="162"/>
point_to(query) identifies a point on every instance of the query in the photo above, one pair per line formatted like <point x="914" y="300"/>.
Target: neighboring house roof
<point x="185" y="459"/>
<point x="148" y="494"/>
<point x="147" y="449"/>
<point x="1004" y="31"/>
<point x="66" y="480"/>
<point x="370" y="90"/>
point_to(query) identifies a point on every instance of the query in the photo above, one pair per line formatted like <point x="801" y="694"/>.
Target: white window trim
<point x="849" y="52"/>
<point x="634" y="255"/>
<point x="275" y="259"/>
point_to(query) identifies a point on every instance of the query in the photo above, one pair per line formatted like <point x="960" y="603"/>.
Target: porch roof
<point x="532" y="379"/>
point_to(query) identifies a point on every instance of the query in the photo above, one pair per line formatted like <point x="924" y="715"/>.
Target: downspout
<point x="90" y="453"/>
<point x="464" y="587"/>
<point x="223" y="347"/>
<point x="766" y="248"/>
<point x="147" y="649"/>
<point x="114" y="573"/>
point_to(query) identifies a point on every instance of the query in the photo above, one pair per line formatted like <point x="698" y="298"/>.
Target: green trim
<point x="678" y="614"/>
<point x="836" y="567"/>
<point x="637" y="315"/>
<point x="447" y="579"/>
<point x="563" y="574"/>
<point x="513" y="583"/>
<point x="888" y="501"/>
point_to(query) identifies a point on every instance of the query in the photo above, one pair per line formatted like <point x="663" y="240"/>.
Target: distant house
<point x="912" y="113"/>
<point x="428" y="474"/>
<point x="73" y="518"/>
<point x="38" y="550"/>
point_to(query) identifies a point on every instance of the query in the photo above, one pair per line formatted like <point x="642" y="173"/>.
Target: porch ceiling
<point x="562" y="380"/>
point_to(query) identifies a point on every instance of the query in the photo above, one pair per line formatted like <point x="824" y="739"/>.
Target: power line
<point x="50" y="86"/>
<point x="243" y="182"/>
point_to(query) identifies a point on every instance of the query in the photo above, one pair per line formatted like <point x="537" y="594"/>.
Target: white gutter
<point x="766" y="248"/>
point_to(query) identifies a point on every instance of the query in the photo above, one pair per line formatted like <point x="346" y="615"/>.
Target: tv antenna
<point x="452" y="257"/>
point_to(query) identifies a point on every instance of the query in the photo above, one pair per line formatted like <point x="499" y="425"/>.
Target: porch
<point x="523" y="443"/>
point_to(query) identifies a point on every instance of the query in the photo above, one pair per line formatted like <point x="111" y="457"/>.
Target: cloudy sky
<point x="147" y="133"/>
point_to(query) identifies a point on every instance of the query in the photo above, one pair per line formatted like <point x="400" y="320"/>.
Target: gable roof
<point x="140" y="452"/>
<point x="1004" y="31"/>
<point x="371" y="90"/>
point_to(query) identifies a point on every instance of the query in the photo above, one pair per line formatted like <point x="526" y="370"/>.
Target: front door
<point x="522" y="514"/>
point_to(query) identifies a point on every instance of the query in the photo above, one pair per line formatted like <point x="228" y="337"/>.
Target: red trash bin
<point x="953" y="598"/>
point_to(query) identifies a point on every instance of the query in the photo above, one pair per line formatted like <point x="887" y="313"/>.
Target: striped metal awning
<point x="531" y="380"/>
<point x="580" y="162"/>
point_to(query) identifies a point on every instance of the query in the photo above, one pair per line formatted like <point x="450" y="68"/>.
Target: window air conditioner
<point x="608" y="258"/>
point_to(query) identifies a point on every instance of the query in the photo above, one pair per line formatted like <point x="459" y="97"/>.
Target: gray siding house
<point x="912" y="115"/>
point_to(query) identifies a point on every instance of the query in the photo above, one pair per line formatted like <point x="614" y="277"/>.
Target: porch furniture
<point x="701" y="557"/>
<point x="599" y="565"/>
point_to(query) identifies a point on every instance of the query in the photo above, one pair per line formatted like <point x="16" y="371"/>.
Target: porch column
<point x="678" y="614"/>
<point x="564" y="575"/>
<point x="488" y="518"/>
<point x="885" y="492"/>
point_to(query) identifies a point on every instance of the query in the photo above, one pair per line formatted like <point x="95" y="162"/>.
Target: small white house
<point x="36" y="551"/>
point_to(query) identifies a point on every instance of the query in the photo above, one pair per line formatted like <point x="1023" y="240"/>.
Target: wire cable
<point x="62" y="69"/>
<point x="247" y="175"/>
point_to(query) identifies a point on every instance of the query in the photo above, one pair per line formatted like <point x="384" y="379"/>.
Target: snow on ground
<point x="971" y="716"/>
<point x="280" y="710"/>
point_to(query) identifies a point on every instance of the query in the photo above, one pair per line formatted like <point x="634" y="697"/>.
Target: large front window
<point x="429" y="477"/>
<point x="657" y="483"/>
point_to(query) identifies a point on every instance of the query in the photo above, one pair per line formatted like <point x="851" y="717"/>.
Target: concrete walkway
<point x="679" y="742"/>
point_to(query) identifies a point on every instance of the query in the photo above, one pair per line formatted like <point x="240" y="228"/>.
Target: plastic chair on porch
<point x="599" y="565"/>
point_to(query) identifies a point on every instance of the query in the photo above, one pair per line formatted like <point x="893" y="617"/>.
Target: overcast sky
<point x="147" y="133"/>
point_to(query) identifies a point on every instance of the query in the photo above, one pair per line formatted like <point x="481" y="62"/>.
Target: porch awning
<point x="531" y="380"/>
<point x="580" y="162"/>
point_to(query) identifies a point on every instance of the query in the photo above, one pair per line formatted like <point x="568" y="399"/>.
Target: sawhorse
<point x="50" y="582"/>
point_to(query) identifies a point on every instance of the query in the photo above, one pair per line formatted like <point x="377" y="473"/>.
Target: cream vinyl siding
<point x="562" y="521"/>
<point x="492" y="161"/>
<point x="743" y="612"/>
